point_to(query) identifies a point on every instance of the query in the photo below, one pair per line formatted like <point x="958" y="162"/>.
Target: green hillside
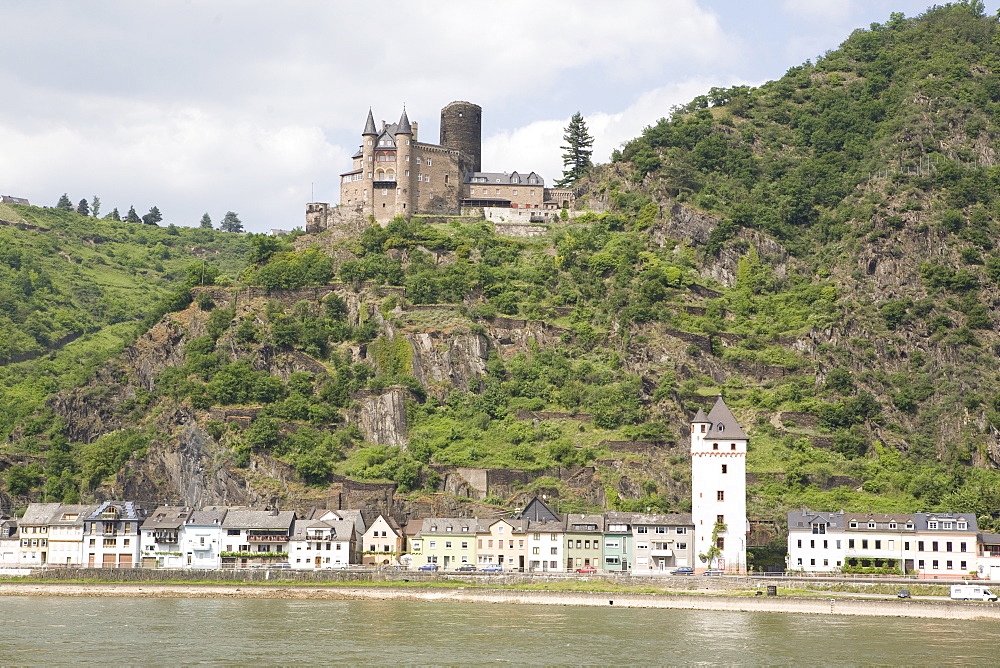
<point x="76" y="290"/>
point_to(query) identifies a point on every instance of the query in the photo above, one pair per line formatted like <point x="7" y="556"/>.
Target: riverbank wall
<point x="714" y="602"/>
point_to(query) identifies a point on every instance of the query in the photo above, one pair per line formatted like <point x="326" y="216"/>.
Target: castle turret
<point x="405" y="167"/>
<point x="462" y="130"/>
<point x="718" y="487"/>
<point x="368" y="136"/>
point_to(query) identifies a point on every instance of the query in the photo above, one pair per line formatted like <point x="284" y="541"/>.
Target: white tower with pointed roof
<point x="719" y="487"/>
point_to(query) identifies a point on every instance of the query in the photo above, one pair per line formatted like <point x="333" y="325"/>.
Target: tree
<point x="153" y="217"/>
<point x="576" y="159"/>
<point x="132" y="216"/>
<point x="64" y="203"/>
<point x="206" y="222"/>
<point x="83" y="208"/>
<point x="231" y="223"/>
<point x="114" y="215"/>
<point x="95" y="206"/>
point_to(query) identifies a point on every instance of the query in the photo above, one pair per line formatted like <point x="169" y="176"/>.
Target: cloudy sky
<point x="214" y="105"/>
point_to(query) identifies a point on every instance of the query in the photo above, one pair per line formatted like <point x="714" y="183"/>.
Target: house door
<point x="90" y="560"/>
<point x="319" y="560"/>
<point x="500" y="560"/>
<point x="662" y="563"/>
<point x="447" y="560"/>
<point x="569" y="563"/>
<point x="520" y="563"/>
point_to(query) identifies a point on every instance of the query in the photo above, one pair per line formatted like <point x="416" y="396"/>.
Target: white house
<point x="718" y="488"/>
<point x="111" y="535"/>
<point x="322" y="544"/>
<point x="66" y="534"/>
<point x="988" y="556"/>
<point x="201" y="538"/>
<point x="9" y="542"/>
<point x="160" y="537"/>
<point x="816" y="541"/>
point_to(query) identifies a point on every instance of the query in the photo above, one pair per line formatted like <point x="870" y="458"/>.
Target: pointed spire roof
<point x="369" y="125"/>
<point x="403" y="127"/>
<point x="724" y="424"/>
<point x="700" y="417"/>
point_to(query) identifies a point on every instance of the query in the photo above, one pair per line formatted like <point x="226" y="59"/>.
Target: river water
<point x="162" y="631"/>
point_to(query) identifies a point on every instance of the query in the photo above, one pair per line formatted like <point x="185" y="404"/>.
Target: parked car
<point x="682" y="570"/>
<point x="586" y="569"/>
<point x="492" y="568"/>
<point x="465" y="568"/>
<point x="713" y="571"/>
<point x="428" y="567"/>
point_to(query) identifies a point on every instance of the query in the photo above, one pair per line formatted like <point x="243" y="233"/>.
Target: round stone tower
<point x="462" y="130"/>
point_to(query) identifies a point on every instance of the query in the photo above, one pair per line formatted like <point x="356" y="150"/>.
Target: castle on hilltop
<point x="395" y="174"/>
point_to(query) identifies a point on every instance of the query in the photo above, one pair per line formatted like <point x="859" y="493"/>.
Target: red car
<point x="586" y="569"/>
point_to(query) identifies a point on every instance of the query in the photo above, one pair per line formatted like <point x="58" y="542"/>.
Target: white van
<point x="971" y="593"/>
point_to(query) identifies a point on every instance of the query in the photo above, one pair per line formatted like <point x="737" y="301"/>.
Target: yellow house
<point x="382" y="542"/>
<point x="502" y="543"/>
<point x="445" y="541"/>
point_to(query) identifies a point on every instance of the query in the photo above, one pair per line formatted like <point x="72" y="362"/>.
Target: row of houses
<point x="929" y="545"/>
<point x="536" y="539"/>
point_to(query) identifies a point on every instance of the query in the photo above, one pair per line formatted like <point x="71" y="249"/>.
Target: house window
<point x="948" y="565"/>
<point x="682" y="546"/>
<point x="720" y="543"/>
<point x="920" y="564"/>
<point x="715" y="446"/>
<point x="920" y="546"/>
<point x="947" y="546"/>
<point x="681" y="530"/>
<point x="878" y="545"/>
<point x="864" y="543"/>
<point x="720" y="495"/>
<point x="535" y="550"/>
<point x="934" y="564"/>
<point x="799" y="543"/>
<point x="934" y="546"/>
<point x="812" y="545"/>
<point x="892" y="525"/>
<point x="465" y="529"/>
<point x="812" y="562"/>
<point x="826" y="562"/>
<point x="447" y="544"/>
<point x="825" y="545"/>
<point x="642" y="529"/>
<point x="932" y="525"/>
<point x="433" y="544"/>
<point x="962" y="545"/>
<point x="962" y="526"/>
<point x="947" y="526"/>
<point x="465" y="545"/>
<point x="854" y="525"/>
<point x="850" y="543"/>
<point x="964" y="565"/>
<point x="871" y="525"/>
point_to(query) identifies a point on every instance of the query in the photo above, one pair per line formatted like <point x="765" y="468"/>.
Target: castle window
<point x="720" y="495"/>
<point x="418" y="160"/>
<point x="446" y="179"/>
<point x="498" y="191"/>
<point x="732" y="446"/>
<point x="428" y="162"/>
<point x="407" y="142"/>
<point x="532" y="193"/>
<point x="384" y="193"/>
<point x="724" y="468"/>
<point x="407" y="172"/>
<point x="715" y="446"/>
<point x="427" y="178"/>
<point x="515" y="191"/>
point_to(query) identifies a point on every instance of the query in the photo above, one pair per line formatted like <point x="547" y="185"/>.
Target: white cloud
<point x="536" y="146"/>
<point x="819" y="10"/>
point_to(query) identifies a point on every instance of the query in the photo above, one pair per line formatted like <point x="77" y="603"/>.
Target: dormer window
<point x="932" y="525"/>
<point x="892" y="525"/>
<point x="449" y="529"/>
<point x="465" y="529"/>
<point x="434" y="528"/>
<point x="721" y="427"/>
<point x="909" y="526"/>
<point x="854" y="525"/>
<point x="962" y="526"/>
<point x="871" y="525"/>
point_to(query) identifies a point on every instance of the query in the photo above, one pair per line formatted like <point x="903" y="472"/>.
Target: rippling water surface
<point x="153" y="631"/>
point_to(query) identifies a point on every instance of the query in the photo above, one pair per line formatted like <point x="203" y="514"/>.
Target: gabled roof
<point x="64" y="511"/>
<point x="577" y="520"/>
<point x="651" y="519"/>
<point x="388" y="520"/>
<point x="208" y="518"/>
<point x="438" y="526"/>
<point x="724" y="424"/>
<point x="39" y="513"/>
<point x="167" y="517"/>
<point x="516" y="525"/>
<point x="538" y="511"/>
<point x="504" y="179"/>
<point x="258" y="519"/>
<point x="126" y="510"/>
<point x="805" y="518"/>
<point x="338" y="529"/>
<point x="369" y="125"/>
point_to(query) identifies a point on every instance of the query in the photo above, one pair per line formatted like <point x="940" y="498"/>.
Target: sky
<point x="209" y="106"/>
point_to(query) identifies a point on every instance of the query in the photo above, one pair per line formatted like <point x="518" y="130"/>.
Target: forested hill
<point x="819" y="250"/>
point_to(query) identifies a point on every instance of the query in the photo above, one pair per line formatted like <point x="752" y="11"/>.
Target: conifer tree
<point x="114" y="215"/>
<point x="576" y="159"/>
<point x="64" y="203"/>
<point x="231" y="223"/>
<point x="153" y="217"/>
<point x="206" y="222"/>
<point x="83" y="208"/>
<point x="132" y="216"/>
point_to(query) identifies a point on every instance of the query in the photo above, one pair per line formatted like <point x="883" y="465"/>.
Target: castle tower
<point x="368" y="137"/>
<point x="406" y="168"/>
<point x="718" y="486"/>
<point x="462" y="130"/>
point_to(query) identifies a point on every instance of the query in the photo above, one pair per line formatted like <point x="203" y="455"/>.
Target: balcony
<point x="661" y="553"/>
<point x="268" y="538"/>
